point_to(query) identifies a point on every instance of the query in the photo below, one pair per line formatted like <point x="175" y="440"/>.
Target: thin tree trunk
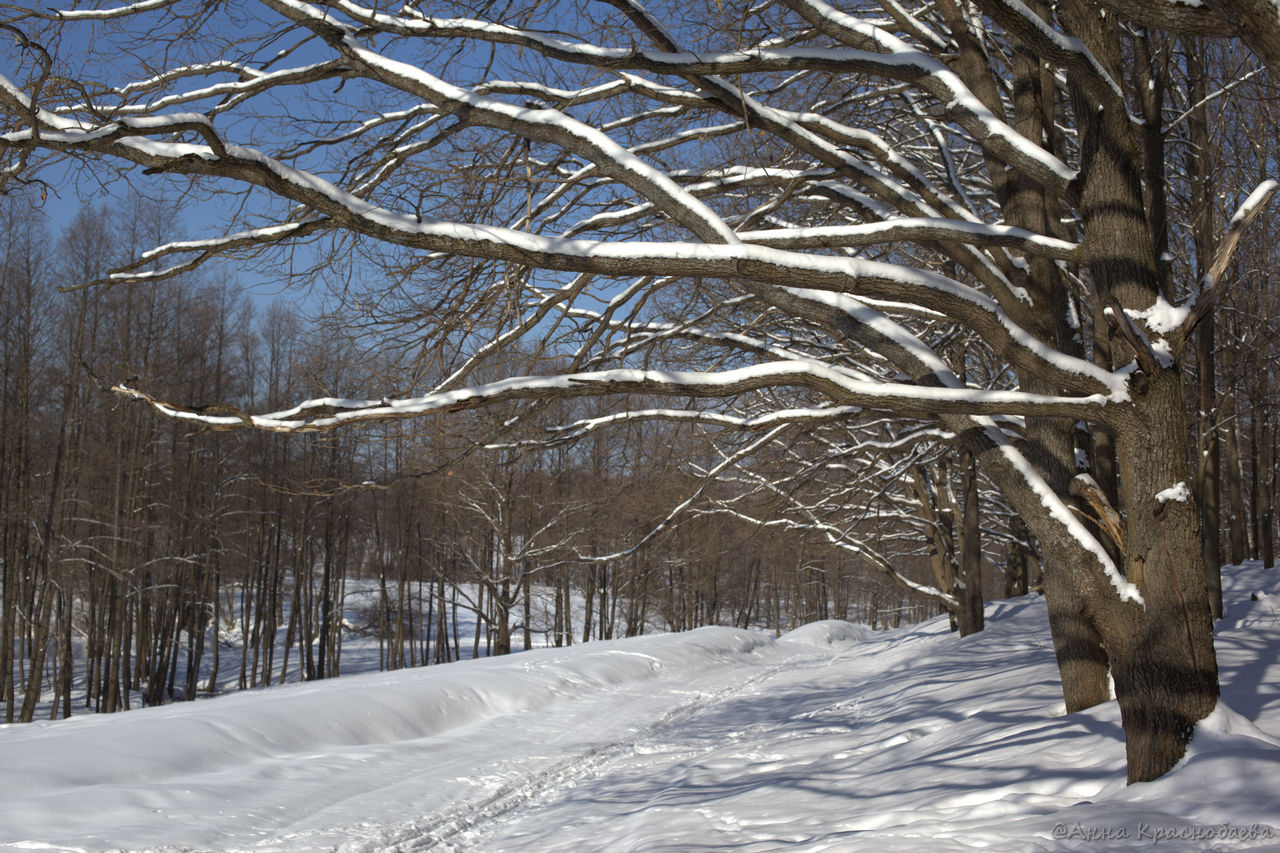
<point x="40" y="644"/>
<point x="970" y="593"/>
<point x="589" y="595"/>
<point x="526" y="587"/>
<point x="1208" y="468"/>
<point x="67" y="667"/>
<point x="1266" y="490"/>
<point x="1237" y="514"/>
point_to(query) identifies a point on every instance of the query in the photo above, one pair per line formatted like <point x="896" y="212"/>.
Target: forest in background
<point x="134" y="543"/>
<point x="138" y="544"/>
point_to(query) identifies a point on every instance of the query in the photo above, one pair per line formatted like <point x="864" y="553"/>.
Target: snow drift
<point x="832" y="737"/>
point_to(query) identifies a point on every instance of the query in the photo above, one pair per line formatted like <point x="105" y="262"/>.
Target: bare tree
<point x="781" y="201"/>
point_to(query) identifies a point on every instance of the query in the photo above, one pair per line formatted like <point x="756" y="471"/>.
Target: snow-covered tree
<point x="792" y="201"/>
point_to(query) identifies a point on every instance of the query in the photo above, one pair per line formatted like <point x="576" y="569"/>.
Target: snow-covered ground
<point x="833" y="737"/>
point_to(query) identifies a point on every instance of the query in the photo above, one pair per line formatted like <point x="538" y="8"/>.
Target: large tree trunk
<point x="1161" y="697"/>
<point x="1162" y="654"/>
<point x="1161" y="651"/>
<point x="1082" y="661"/>
<point x="1077" y="643"/>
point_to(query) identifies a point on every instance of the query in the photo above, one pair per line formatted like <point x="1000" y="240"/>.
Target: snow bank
<point x="78" y="778"/>
<point x="828" y="633"/>
<point x="833" y="737"/>
<point x="149" y="743"/>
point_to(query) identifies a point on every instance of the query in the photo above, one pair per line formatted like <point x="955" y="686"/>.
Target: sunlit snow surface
<point x="832" y="738"/>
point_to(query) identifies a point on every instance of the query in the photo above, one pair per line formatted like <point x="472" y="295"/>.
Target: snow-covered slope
<point x="833" y="737"/>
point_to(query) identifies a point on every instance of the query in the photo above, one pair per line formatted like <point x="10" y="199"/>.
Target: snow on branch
<point x="878" y="53"/>
<point x="915" y="229"/>
<point x="1215" y="282"/>
<point x="1061" y="520"/>
<point x="917" y="400"/>
<point x="114" y="12"/>
<point x="615" y="221"/>
<point x="1052" y="46"/>
<point x="204" y="250"/>
<point x="533" y="123"/>
<point x="811" y="416"/>
<point x="932" y="75"/>
<point x="733" y="261"/>
<point x="232" y="92"/>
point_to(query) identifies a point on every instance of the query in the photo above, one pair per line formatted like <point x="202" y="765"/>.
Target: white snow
<point x="576" y="136"/>
<point x="840" y="384"/>
<point x="1260" y="195"/>
<point x="907" y="228"/>
<point x="833" y="737"/>
<point x="1127" y="591"/>
<point x="1161" y="318"/>
<point x="948" y="87"/>
<point x="1176" y="492"/>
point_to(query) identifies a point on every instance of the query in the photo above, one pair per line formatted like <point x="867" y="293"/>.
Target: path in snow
<point x="471" y="822"/>
<point x="656" y="770"/>
<point x="533" y="757"/>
